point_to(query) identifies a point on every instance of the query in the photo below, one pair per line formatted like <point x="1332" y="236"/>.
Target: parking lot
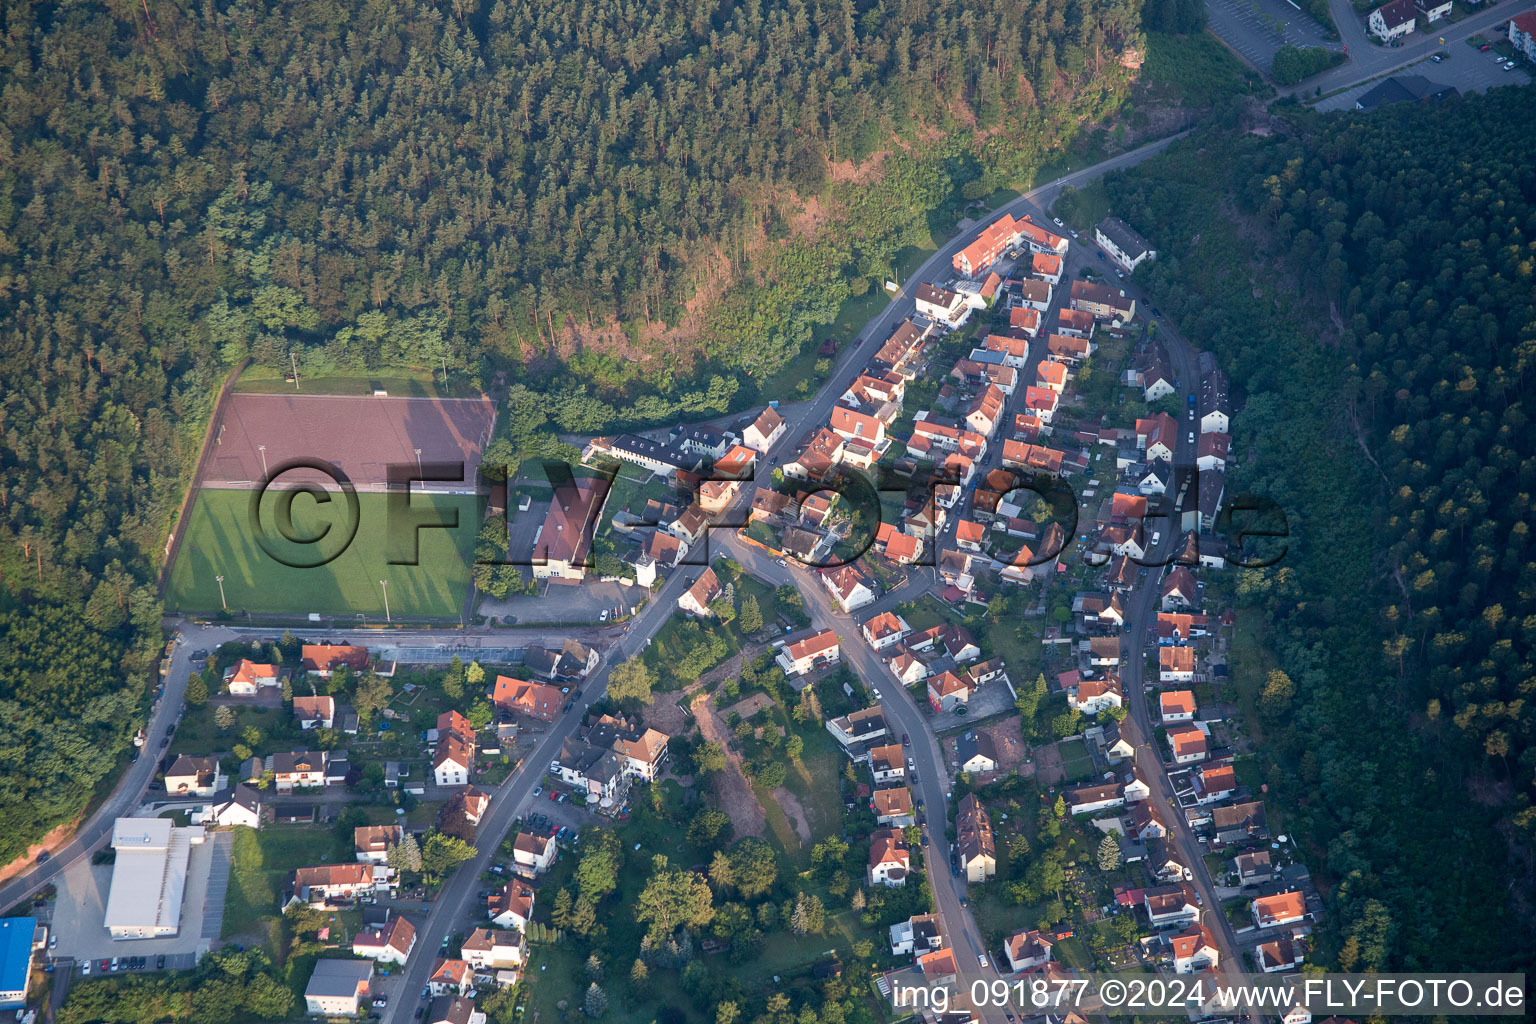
<point x="1258" y="28"/>
<point x="81" y="908"/>
<point x="1465" y="68"/>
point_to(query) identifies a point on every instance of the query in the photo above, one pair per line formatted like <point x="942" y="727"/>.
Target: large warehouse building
<point x="149" y="877"/>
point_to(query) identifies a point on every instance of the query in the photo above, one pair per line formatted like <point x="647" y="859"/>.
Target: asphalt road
<point x="97" y="829"/>
<point x="1369" y="60"/>
<point x="451" y="910"/>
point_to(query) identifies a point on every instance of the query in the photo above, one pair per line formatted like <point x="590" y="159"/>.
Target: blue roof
<point x="16" y="935"/>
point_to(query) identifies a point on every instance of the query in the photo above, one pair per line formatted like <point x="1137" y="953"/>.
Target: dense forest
<point x="1371" y="284"/>
<point x="578" y="190"/>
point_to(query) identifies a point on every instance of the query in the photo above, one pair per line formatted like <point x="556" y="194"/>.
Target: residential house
<point x="1032" y="457"/>
<point x="1090" y="696"/>
<point x="849" y="586"/>
<point x="1122" y="243"/>
<point x="1023" y="318"/>
<point x="1076" y="323"/>
<point x="888" y="763"/>
<point x="1392" y="20"/>
<point x="941" y="304"/>
<point x="1134" y="789"/>
<point x="767" y="504"/>
<point x="329" y="883"/>
<point x="893" y="807"/>
<point x="857" y="731"/>
<point x="1522" y="34"/>
<point x="1215" y="404"/>
<point x="338" y="988"/>
<point x="975" y="847"/>
<point x="947" y="690"/>
<point x="1254" y="868"/>
<point x="990" y="243"/>
<point x="1193" y="950"/>
<point x="453" y="1010"/>
<point x="764" y="432"/>
<point x="1041" y="239"/>
<point x="301" y="769"/>
<point x="900" y="351"/>
<point x="976" y="752"/>
<point x="851" y="425"/>
<point x="1171" y="906"/>
<point x="493" y="949"/>
<point x="511" y="906"/>
<point x="697" y="598"/>
<point x="889" y="858"/>
<point x="1158" y="436"/>
<point x="715" y="496"/>
<point x="1047" y="267"/>
<point x="391" y="944"/>
<point x="1104" y="302"/>
<point x="238" y="806"/>
<point x="1282" y="954"/>
<point x="1068" y="348"/>
<point x="248" y="678"/>
<point x="1215" y="783"/>
<point x="820" y="456"/>
<point x="450" y="976"/>
<point x="1041" y="403"/>
<point x="916" y="935"/>
<point x="938" y="968"/>
<point x="1176" y="706"/>
<point x="468" y="805"/>
<point x="1280" y="908"/>
<point x="520" y="697"/>
<point x="884" y="630"/>
<point x="1104" y="653"/>
<point x="985" y="411"/>
<point x="371" y="843"/>
<point x="1179" y="592"/>
<point x="701" y="439"/>
<point x="1175" y="664"/>
<point x="689" y="526"/>
<point x="315" y="712"/>
<point x="1188" y="743"/>
<point x="1035" y="295"/>
<point x="901" y="548"/>
<point x="1026" y="950"/>
<point x="812" y="653"/>
<point x="1154" y="479"/>
<point x="452" y="761"/>
<point x="1116" y="747"/>
<point x="571" y="661"/>
<point x="324" y="659"/>
<point x="532" y="855"/>
<point x="1095" y="798"/>
<point x="1239" y="822"/>
<point x="194" y="776"/>
<point x="1051" y="375"/>
<point x="1211" y="451"/>
<point x="1146" y="821"/>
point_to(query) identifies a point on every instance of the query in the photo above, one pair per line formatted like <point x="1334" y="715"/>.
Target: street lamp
<point x="418" y="460"/>
<point x="224" y="604"/>
<point x="385" y="585"/>
<point x="263" y="450"/>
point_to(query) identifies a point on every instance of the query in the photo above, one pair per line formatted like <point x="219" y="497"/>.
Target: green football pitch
<point x="221" y="541"/>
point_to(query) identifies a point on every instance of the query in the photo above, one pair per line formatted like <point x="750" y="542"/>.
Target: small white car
<point x="603" y="617"/>
<point x="981" y="958"/>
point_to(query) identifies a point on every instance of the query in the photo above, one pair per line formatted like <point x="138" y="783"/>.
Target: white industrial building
<point x="149" y="877"/>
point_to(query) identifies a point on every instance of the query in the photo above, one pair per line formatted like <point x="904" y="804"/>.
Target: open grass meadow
<point x="221" y="541"/>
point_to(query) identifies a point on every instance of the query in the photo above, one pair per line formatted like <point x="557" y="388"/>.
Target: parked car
<point x="981" y="958"/>
<point x="1509" y="65"/>
<point x="160" y="962"/>
<point x="43" y="857"/>
<point x="538" y="790"/>
<point x="604" y="616"/>
<point x="1437" y="58"/>
<point x="1485" y="48"/>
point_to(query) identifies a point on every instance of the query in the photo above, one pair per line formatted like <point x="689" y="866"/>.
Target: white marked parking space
<point x="1258" y="28"/>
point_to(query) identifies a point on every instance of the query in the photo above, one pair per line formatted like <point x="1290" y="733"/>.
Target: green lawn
<point x="220" y="540"/>
<point x="1076" y="764"/>
<point x="400" y="383"/>
<point x="260" y="863"/>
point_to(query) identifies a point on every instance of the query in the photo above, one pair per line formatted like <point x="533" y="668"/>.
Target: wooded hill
<point x="454" y="186"/>
<point x="1371" y="283"/>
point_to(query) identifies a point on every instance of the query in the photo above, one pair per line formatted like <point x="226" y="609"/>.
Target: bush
<point x="1294" y="64"/>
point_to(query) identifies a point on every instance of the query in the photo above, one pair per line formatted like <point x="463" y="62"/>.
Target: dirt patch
<point x="60" y="835"/>
<point x="663" y="714"/>
<point x="733" y="794"/>
<point x="1048" y="767"/>
<point x="872" y="169"/>
<point x="749" y="706"/>
<point x="1012" y="754"/>
<point x="790" y="805"/>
